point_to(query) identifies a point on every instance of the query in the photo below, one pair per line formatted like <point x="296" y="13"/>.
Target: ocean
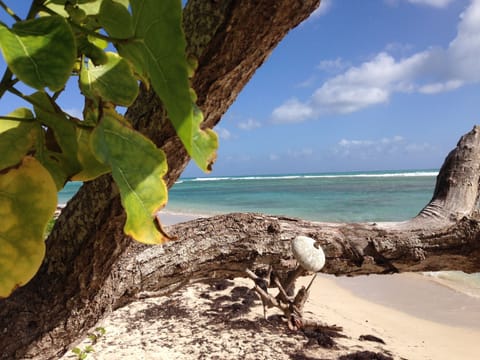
<point x="335" y="197"/>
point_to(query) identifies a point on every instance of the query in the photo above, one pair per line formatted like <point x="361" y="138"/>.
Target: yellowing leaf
<point x="91" y="166"/>
<point x="59" y="153"/>
<point x="112" y="81"/>
<point x="16" y="137"/>
<point x="158" y="53"/>
<point x="138" y="167"/>
<point x="28" y="199"/>
<point x="41" y="52"/>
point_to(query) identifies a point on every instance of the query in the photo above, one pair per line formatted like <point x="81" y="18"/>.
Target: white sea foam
<point x="316" y="176"/>
<point x="457" y="280"/>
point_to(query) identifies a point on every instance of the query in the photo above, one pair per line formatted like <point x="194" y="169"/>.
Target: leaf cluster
<point x="82" y="354"/>
<point x="109" y="46"/>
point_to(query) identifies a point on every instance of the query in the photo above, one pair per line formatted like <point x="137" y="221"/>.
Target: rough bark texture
<point x="76" y="286"/>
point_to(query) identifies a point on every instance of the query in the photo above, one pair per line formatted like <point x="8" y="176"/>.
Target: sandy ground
<point x="224" y="320"/>
<point x="415" y="317"/>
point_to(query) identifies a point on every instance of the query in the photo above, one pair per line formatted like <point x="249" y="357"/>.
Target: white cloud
<point x="400" y="48"/>
<point x="299" y="153"/>
<point x="307" y="83"/>
<point x="439" y="4"/>
<point x="75" y="112"/>
<point x="295" y="154"/>
<point x="333" y="65"/>
<point x="440" y="87"/>
<point x="371" y="149"/>
<point x="433" y="3"/>
<point x="292" y="111"/>
<point x="324" y="7"/>
<point x="249" y="124"/>
<point x="223" y="133"/>
<point x="374" y="82"/>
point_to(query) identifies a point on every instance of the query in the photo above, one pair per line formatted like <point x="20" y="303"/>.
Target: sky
<point x="360" y="85"/>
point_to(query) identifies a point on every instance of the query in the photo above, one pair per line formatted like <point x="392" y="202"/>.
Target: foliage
<point x="43" y="146"/>
<point x="82" y="354"/>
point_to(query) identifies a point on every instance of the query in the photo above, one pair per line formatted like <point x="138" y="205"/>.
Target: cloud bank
<point x="431" y="71"/>
<point x="388" y="146"/>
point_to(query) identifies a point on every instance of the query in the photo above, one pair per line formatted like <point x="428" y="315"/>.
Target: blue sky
<point x="360" y="85"/>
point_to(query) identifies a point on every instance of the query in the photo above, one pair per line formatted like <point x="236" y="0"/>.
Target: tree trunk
<point x="80" y="279"/>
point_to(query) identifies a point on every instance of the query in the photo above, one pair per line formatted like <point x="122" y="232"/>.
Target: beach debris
<point x="365" y="355"/>
<point x="311" y="258"/>
<point x="308" y="253"/>
<point x="371" y="338"/>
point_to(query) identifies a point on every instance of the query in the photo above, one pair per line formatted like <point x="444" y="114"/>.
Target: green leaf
<point x="138" y="167"/>
<point x="16" y="137"/>
<point x="100" y="330"/>
<point x="59" y="151"/>
<point x="116" y="19"/>
<point x="91" y="50"/>
<point x="28" y="199"/>
<point x="90" y="7"/>
<point x="158" y="53"/>
<point x="113" y="81"/>
<point x="41" y="52"/>
<point x="91" y="167"/>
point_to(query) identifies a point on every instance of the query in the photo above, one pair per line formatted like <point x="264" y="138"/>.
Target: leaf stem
<point x="15" y="118"/>
<point x="97" y="34"/>
<point x="77" y="122"/>
<point x="9" y="11"/>
<point x="6" y="82"/>
<point x="85" y="30"/>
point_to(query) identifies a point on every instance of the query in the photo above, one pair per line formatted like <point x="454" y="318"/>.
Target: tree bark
<point x="77" y="284"/>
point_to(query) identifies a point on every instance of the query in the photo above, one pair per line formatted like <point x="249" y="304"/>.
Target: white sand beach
<point x="416" y="318"/>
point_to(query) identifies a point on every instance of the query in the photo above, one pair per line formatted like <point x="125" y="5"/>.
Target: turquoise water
<point x="368" y="196"/>
<point x="68" y="191"/>
<point x="342" y="197"/>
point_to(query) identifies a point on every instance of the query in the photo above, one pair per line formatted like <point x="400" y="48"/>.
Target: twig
<point x="9" y="11"/>
<point x="14" y="118"/>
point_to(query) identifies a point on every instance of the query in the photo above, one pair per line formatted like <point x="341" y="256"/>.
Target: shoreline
<point x="416" y="295"/>
<point x="406" y="334"/>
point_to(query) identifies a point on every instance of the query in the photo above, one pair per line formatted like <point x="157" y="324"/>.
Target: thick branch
<point x="227" y="245"/>
<point x="456" y="192"/>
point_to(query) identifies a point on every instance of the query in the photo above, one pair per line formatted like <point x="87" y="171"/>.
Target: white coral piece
<point x="310" y="256"/>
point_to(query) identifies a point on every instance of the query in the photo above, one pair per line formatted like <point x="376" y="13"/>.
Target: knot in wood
<point x="418" y="254"/>
<point x="273" y="228"/>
